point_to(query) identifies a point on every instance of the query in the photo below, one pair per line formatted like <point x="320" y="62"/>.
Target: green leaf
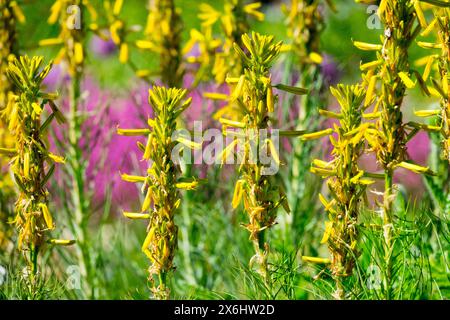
<point x="290" y="89"/>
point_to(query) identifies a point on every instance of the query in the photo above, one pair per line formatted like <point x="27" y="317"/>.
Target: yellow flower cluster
<point x="70" y="14"/>
<point x="441" y="62"/>
<point x="233" y="24"/>
<point x="10" y="15"/>
<point x="249" y="109"/>
<point x="345" y="180"/>
<point x="163" y="36"/>
<point x="305" y="22"/>
<point x="31" y="162"/>
<point x="161" y="184"/>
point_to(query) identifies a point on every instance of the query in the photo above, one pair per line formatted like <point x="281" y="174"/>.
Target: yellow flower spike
<point x="367" y="46"/>
<point x="316" y="260"/>
<point x="62" y="242"/>
<point x="130" y="178"/>
<point x="47" y="216"/>
<point x="407" y="81"/>
<point x="135" y="215"/>
<point x="316" y="135"/>
<point x="161" y="184"/>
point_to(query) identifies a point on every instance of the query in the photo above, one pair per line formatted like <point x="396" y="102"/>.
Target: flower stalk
<point x="403" y="20"/>
<point x="161" y="184"/>
<point x="346" y="184"/>
<point x="10" y="16"/>
<point x="250" y="107"/>
<point x="163" y="35"/>
<point x="71" y="17"/>
<point x="31" y="161"/>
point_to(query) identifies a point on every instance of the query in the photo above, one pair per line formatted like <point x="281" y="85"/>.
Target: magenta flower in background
<point x="418" y="151"/>
<point x="116" y="153"/>
<point x="101" y="47"/>
<point x="330" y="70"/>
<point x="105" y="153"/>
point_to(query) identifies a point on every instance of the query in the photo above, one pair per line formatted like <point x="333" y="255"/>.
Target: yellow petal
<point x="316" y="260"/>
<point x="367" y="46"/>
<point x="123" y="53"/>
<point x="78" y="53"/>
<point x="406" y="80"/>
<point x="327" y="233"/>
<point x="136" y="216"/>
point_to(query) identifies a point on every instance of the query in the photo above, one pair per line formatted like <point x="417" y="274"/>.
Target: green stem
<point x="78" y="199"/>
<point x="387" y="231"/>
<point x="259" y="245"/>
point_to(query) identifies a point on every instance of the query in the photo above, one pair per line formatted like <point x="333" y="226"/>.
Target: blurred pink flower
<point x="102" y="48"/>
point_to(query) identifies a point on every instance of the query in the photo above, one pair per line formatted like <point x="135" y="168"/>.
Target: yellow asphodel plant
<point x="161" y="183"/>
<point x="249" y="110"/>
<point x="233" y="23"/>
<point x="31" y="161"/>
<point x="403" y="20"/>
<point x="345" y="180"/>
<point x="10" y="16"/>
<point x="440" y="87"/>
